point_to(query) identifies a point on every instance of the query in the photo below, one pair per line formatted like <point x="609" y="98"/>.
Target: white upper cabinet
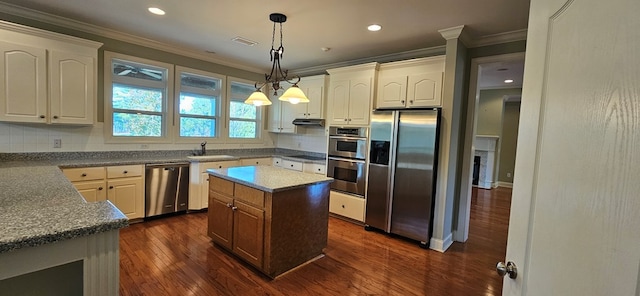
<point x="46" y="77"/>
<point x="412" y="83"/>
<point x="281" y="114"/>
<point x="351" y="91"/>
<point x="315" y="87"/>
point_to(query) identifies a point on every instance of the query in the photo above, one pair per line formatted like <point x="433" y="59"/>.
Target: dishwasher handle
<point x="167" y="166"/>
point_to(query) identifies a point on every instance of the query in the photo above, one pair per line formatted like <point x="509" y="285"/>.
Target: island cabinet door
<point x="221" y="219"/>
<point x="248" y="233"/>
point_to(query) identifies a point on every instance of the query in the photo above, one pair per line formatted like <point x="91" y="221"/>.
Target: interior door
<point x="576" y="207"/>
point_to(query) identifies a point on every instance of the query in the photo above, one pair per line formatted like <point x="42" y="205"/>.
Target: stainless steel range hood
<point x="309" y="122"/>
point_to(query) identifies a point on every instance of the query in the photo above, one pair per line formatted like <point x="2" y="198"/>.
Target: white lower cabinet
<point x="199" y="181"/>
<point x="256" y="161"/>
<point x="121" y="185"/>
<point x="314" y="168"/>
<point x="346" y="205"/>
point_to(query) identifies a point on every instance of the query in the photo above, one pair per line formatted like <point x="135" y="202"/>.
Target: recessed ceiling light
<point x="374" y="28"/>
<point x="156" y="11"/>
<point x="508" y="81"/>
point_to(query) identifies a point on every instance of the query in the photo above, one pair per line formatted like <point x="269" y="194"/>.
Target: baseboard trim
<point x="505" y="184"/>
<point x="441" y="245"/>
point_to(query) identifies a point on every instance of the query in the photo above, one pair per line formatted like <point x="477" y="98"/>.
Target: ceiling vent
<point x="244" y="41"/>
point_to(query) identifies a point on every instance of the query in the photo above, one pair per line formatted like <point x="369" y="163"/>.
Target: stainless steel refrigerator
<point x="402" y="172"/>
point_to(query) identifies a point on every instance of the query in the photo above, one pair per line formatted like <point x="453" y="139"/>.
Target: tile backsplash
<point x="18" y="138"/>
<point x="312" y="139"/>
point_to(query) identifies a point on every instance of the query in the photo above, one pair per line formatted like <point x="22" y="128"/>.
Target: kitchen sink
<point x="212" y="157"/>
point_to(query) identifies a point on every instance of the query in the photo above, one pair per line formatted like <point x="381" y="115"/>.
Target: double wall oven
<point x="346" y="161"/>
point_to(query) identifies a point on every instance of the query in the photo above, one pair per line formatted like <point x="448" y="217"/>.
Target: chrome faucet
<point x="203" y="148"/>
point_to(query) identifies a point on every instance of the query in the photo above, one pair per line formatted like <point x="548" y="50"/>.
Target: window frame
<point x="167" y="108"/>
<point x="260" y="115"/>
<point x="179" y="70"/>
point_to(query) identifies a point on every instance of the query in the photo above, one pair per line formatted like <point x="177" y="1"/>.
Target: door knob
<point x="510" y="269"/>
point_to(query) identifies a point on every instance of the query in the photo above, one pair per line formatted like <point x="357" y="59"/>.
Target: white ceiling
<point x="202" y="25"/>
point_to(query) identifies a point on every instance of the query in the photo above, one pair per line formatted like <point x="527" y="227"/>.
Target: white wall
<point x="19" y="138"/>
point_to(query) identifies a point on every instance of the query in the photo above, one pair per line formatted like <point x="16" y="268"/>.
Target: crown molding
<point x="117" y="35"/>
<point x="518" y="35"/>
<point x="399" y="56"/>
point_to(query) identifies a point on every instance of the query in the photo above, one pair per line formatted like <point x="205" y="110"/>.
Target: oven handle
<point x="348" y="160"/>
<point x="347" y="138"/>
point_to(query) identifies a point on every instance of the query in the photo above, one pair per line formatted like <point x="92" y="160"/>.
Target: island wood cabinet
<point x="412" y="83"/>
<point x="351" y="91"/>
<point x="46" y="77"/>
<point x="257" y="226"/>
<point x="199" y="181"/>
<point x="122" y="185"/>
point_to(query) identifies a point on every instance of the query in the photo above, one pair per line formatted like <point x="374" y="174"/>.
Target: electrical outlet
<point x="57" y="143"/>
<point x="144" y="146"/>
<point x="508" y="175"/>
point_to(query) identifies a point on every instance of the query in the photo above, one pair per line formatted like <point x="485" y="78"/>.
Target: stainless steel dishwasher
<point x="166" y="188"/>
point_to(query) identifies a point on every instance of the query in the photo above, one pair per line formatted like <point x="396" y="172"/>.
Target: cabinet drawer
<point x="84" y="174"/>
<point x="249" y="195"/>
<point x="292" y="165"/>
<point x="256" y="161"/>
<point x="218" y="165"/>
<point x="346" y="205"/>
<point x="123" y="171"/>
<point x="277" y="162"/>
<point x="220" y="185"/>
<point x="315" y="168"/>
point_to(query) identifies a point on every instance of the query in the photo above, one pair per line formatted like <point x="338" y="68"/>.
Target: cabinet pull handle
<point x="110" y="187"/>
<point x="83" y="174"/>
<point x="100" y="188"/>
<point x="41" y="116"/>
<point x="55" y="116"/>
<point x="234" y="208"/>
<point x="124" y="172"/>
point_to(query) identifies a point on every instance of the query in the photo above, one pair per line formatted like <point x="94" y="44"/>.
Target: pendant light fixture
<point x="294" y="94"/>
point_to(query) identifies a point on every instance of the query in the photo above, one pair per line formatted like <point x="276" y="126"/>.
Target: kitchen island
<point x="272" y="218"/>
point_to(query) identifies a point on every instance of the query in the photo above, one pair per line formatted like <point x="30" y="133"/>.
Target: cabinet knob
<point x="83" y="174"/>
<point x="125" y="172"/>
<point x="234" y="208"/>
<point x="343" y="206"/>
<point x="100" y="188"/>
<point x="349" y="119"/>
<point x="411" y="102"/>
<point x="55" y="116"/>
<point x="291" y="165"/>
<point x="110" y="187"/>
<point x="345" y="119"/>
<point x="229" y="205"/>
<point x="219" y="166"/>
<point x="207" y="180"/>
<point x="402" y="102"/>
<point x="41" y="116"/>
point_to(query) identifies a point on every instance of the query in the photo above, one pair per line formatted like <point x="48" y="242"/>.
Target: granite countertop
<point x="268" y="178"/>
<point x="38" y="205"/>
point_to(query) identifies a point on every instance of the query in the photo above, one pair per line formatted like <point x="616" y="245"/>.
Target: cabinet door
<point x="360" y="101"/>
<point x="23" y="83"/>
<point x="288" y="115"/>
<point x="221" y="219"/>
<point x="92" y="191"/>
<point x="275" y="119"/>
<point x="425" y="90"/>
<point x="127" y="194"/>
<point x="339" y="102"/>
<point x="315" y="93"/>
<point x="392" y="92"/>
<point x="72" y="90"/>
<point x="204" y="190"/>
<point x="248" y="232"/>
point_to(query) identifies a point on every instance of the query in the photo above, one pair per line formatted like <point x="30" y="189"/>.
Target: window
<point x="244" y="119"/>
<point x="137" y="98"/>
<point x="198" y="104"/>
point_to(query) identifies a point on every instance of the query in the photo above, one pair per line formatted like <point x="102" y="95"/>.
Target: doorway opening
<point x="491" y="130"/>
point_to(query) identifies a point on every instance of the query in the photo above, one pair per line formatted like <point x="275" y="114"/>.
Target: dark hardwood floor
<point x="173" y="256"/>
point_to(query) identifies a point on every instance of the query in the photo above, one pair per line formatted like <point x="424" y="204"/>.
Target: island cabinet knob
<point x="234" y="208"/>
<point x="100" y="188"/>
<point x="229" y="205"/>
<point x="111" y="187"/>
<point x="84" y="174"/>
<point x="343" y="206"/>
<point x="124" y="172"/>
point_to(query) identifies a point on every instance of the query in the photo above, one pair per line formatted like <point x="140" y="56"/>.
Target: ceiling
<point x="340" y="25"/>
